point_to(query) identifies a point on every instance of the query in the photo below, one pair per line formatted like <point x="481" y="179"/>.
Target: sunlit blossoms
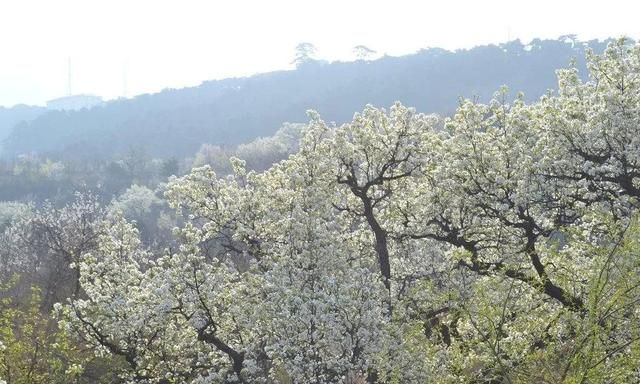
<point x="497" y="245"/>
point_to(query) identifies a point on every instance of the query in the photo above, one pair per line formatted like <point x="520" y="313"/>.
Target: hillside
<point x="10" y="117"/>
<point x="232" y="111"/>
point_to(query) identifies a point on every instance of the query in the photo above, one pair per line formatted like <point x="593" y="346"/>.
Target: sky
<point x="122" y="48"/>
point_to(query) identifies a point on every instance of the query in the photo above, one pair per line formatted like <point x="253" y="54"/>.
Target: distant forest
<point x="225" y="113"/>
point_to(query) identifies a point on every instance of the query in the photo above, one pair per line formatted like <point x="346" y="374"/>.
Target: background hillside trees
<point x="176" y="122"/>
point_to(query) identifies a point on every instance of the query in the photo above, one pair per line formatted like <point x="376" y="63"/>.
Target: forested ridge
<point x="236" y="110"/>
<point x="494" y="244"/>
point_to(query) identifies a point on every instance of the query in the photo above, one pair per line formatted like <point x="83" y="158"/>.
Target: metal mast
<point x="69" y="77"/>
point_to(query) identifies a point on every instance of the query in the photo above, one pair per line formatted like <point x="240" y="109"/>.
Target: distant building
<point x="74" y="102"/>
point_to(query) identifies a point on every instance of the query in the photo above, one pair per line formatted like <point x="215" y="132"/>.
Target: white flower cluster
<point x="388" y="249"/>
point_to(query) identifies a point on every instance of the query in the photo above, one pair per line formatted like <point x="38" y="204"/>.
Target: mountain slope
<point x="9" y="117"/>
<point x="231" y="111"/>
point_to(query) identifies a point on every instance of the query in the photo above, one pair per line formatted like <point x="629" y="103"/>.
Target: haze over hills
<point x="9" y="117"/>
<point x="231" y="111"/>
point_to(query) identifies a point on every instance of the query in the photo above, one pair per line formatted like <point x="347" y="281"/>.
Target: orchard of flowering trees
<point x="500" y="245"/>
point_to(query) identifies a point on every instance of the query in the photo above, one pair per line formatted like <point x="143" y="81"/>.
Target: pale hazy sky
<point x="171" y="44"/>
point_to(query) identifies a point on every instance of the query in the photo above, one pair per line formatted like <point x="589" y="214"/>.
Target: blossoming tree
<point x="498" y="245"/>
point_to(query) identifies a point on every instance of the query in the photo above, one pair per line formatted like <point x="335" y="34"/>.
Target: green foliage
<point x="32" y="347"/>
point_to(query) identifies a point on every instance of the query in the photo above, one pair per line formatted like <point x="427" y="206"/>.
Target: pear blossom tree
<point x="497" y="245"/>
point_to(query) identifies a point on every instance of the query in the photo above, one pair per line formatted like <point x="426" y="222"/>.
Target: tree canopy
<point x="498" y="245"/>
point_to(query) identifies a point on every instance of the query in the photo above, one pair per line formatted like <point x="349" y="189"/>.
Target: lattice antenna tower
<point x="69" y="77"/>
<point x="124" y="79"/>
